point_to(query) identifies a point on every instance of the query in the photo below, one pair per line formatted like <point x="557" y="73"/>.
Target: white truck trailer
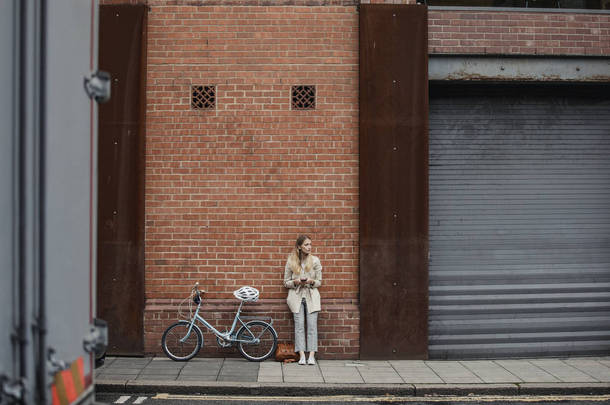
<point x="49" y="88"/>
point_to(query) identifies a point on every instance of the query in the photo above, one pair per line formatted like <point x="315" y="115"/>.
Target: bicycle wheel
<point x="267" y="340"/>
<point x="177" y="350"/>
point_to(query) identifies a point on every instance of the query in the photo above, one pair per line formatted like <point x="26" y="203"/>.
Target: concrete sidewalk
<point x="565" y="376"/>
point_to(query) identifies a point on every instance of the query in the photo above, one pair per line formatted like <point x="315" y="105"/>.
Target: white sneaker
<point x="311" y="361"/>
<point x="302" y="361"/>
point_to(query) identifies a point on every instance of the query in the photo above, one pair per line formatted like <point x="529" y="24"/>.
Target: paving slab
<point x="562" y="371"/>
<point x="452" y="372"/>
<point x="238" y="360"/>
<point x="156" y="377"/>
<point x="250" y="374"/>
<point x="415" y="372"/>
<point x="163" y="365"/>
<point x="197" y="378"/>
<point x="270" y="372"/>
<point x="194" y="372"/>
<point x="591" y="367"/>
<point x="527" y="371"/>
<point x="605" y="361"/>
<point x="490" y="372"/>
<point x="237" y="378"/>
<point x="244" y="365"/>
<point x="380" y="376"/>
<point x="197" y="364"/>
<point x="160" y="371"/>
<point x="338" y="373"/>
<point x="120" y="370"/>
<point x="370" y="363"/>
<point x="237" y="370"/>
<point x="135" y="360"/>
<point x="242" y="370"/>
<point x="295" y="373"/>
<point x="231" y="370"/>
<point x="128" y="363"/>
<point x="206" y="360"/>
<point x="165" y="360"/>
<point x="376" y="371"/>
<point x="115" y="378"/>
<point x="108" y="361"/>
<point x="253" y="377"/>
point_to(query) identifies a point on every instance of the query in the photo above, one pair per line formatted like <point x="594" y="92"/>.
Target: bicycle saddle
<point x="246" y="293"/>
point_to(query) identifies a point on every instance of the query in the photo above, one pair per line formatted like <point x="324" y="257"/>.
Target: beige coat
<point x="310" y="293"/>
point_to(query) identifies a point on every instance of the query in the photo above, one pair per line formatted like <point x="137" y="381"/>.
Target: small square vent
<point x="303" y="97"/>
<point x="203" y="97"/>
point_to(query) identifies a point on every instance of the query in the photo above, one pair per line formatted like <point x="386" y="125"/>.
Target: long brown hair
<point x="296" y="256"/>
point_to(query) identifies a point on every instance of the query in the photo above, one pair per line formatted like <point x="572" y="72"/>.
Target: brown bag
<point x="285" y="352"/>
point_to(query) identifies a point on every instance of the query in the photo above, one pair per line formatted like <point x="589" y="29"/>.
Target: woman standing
<point x="303" y="276"/>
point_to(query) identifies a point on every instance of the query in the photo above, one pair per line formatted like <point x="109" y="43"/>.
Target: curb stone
<point x="462" y="390"/>
<point x="564" y="389"/>
<point x="283" y="389"/>
<point x="254" y="389"/>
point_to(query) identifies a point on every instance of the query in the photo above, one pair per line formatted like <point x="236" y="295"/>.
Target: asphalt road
<point x="170" y="399"/>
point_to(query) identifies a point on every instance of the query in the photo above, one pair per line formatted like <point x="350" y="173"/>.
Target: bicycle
<point x="256" y="339"/>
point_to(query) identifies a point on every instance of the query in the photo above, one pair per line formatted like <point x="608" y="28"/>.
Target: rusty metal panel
<point x="393" y="182"/>
<point x="121" y="178"/>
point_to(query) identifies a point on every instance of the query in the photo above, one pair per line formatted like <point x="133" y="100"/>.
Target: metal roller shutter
<point x="519" y="224"/>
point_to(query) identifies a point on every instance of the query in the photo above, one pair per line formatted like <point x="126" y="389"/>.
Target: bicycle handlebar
<point x="197" y="292"/>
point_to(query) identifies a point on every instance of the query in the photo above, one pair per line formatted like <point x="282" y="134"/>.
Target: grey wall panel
<point x="70" y="178"/>
<point x="7" y="184"/>
<point x="519" y="223"/>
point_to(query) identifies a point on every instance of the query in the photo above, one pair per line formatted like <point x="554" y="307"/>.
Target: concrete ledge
<point x="517" y="68"/>
<point x="404" y="390"/>
<point x="564" y="389"/>
<point x="466" y="389"/>
<point x="248" y="388"/>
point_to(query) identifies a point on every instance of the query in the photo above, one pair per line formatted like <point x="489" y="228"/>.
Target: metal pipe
<point x="21" y="197"/>
<point x="42" y="318"/>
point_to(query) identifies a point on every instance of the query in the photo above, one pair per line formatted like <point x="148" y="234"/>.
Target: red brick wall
<point x="525" y="33"/>
<point x="228" y="190"/>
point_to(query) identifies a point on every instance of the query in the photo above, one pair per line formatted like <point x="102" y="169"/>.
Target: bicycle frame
<point x="226" y="336"/>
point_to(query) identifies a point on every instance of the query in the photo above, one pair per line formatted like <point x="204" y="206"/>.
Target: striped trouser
<point x="299" y="330"/>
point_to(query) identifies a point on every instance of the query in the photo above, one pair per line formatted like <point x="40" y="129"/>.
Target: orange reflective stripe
<point x="54" y="395"/>
<point x="69" y="384"/>
<point x="78" y="375"/>
<point x="60" y="388"/>
<point x="71" y="394"/>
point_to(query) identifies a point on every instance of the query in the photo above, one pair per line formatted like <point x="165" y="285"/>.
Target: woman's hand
<point x="296" y="282"/>
<point x="310" y="281"/>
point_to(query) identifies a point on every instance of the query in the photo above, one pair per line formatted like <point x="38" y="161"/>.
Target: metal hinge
<point x="97" y="340"/>
<point x="55" y="365"/>
<point x="12" y="389"/>
<point x="97" y="86"/>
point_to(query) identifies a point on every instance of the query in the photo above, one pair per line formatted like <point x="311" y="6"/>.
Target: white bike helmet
<point x="246" y="293"/>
